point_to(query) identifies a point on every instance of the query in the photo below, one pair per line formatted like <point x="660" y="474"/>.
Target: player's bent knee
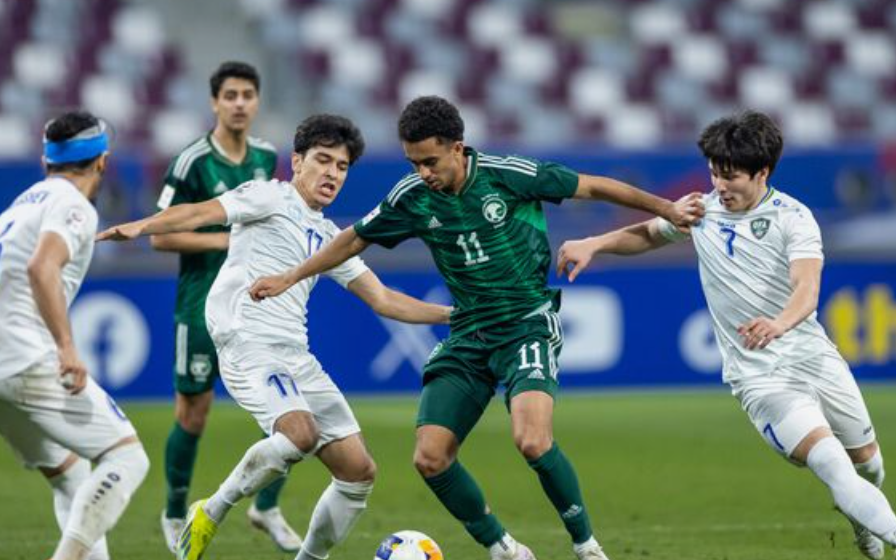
<point x="300" y="429"/>
<point x="429" y="464"/>
<point x="863" y="454"/>
<point x="533" y="447"/>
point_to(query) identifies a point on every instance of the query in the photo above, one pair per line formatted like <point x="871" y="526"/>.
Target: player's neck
<point x="306" y="196"/>
<point x="760" y="196"/>
<point x="86" y="184"/>
<point x="462" y="178"/>
<point x="233" y="144"/>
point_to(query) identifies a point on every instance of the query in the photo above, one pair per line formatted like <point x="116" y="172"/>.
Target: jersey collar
<point x="472" y="167"/>
<point x="770" y="192"/>
<point x="218" y="150"/>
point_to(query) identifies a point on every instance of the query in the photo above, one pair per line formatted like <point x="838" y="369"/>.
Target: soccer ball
<point x="408" y="545"/>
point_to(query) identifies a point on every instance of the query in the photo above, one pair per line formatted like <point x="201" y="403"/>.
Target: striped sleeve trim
<point x="262" y="144"/>
<point x="509" y="163"/>
<point x="403" y="186"/>
<point x="187" y="157"/>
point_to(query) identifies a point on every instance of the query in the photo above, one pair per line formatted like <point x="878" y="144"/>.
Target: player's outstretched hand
<point x="269" y="286"/>
<point x="72" y="372"/>
<point x="123" y="232"/>
<point x="758" y="333"/>
<point x="688" y="211"/>
<point x="573" y="258"/>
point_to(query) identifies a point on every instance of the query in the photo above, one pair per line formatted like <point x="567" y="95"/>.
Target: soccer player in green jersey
<point x="214" y="164"/>
<point x="481" y="217"/>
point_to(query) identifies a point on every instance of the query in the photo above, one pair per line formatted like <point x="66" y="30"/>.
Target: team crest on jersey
<point x="759" y="227"/>
<point x="494" y="209"/>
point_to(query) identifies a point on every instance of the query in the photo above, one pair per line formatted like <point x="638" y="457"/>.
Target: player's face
<point x="439" y="164"/>
<point x="320" y="173"/>
<point x="738" y="191"/>
<point x="236" y="104"/>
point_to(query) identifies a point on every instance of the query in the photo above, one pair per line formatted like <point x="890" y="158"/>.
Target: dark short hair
<point x="749" y="141"/>
<point x="65" y="127"/>
<point x="428" y="117"/>
<point x="329" y="131"/>
<point x="233" y="69"/>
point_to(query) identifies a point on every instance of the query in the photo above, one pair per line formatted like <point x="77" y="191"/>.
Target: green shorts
<point x="463" y="372"/>
<point x="195" y="360"/>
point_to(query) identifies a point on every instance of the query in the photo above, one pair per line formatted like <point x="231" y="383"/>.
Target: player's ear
<point x="296" y="162"/>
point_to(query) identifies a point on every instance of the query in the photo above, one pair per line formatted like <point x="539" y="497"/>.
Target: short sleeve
<point x="178" y="188"/>
<point x="72" y="219"/>
<point x="669" y="231"/>
<point x="348" y="271"/>
<point x="385" y="225"/>
<point x="802" y="236"/>
<point x="532" y="179"/>
<point x="251" y="201"/>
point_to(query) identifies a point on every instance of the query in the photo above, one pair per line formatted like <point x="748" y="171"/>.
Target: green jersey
<point x="489" y="241"/>
<point x="199" y="173"/>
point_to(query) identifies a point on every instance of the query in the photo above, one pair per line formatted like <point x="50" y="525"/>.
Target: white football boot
<point x="589" y="550"/>
<point x="867" y="543"/>
<point x="508" y="549"/>
<point x="272" y="522"/>
<point x="171" y="530"/>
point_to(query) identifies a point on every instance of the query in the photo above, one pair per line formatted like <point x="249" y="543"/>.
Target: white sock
<point x="872" y="470"/>
<point x="264" y="462"/>
<point x="336" y="512"/>
<point x="101" y="499"/>
<point x="857" y="498"/>
<point x="65" y="485"/>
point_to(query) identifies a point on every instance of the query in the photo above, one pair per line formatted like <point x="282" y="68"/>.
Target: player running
<point x="52" y="413"/>
<point x="216" y="163"/>
<point x="481" y="217"/>
<point x="760" y="256"/>
<point x="266" y="364"/>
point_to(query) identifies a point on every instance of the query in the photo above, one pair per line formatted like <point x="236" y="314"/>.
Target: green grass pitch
<point x="666" y="475"/>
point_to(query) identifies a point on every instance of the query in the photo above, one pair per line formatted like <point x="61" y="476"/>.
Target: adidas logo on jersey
<point x="434" y="223"/>
<point x="537" y="374"/>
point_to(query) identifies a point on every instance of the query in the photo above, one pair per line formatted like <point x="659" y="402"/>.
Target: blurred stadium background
<point x="620" y="88"/>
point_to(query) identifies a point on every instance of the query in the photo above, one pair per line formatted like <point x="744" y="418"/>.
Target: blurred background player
<point x="760" y="256"/>
<point x="481" y="217"/>
<point x="212" y="165"/>
<point x="265" y="360"/>
<point x="52" y="413"/>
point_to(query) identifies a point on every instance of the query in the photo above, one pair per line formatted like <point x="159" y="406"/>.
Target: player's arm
<point x="343" y="247"/>
<point x="684" y="213"/>
<point x="45" y="277"/>
<point x="191" y="241"/>
<point x="575" y="255"/>
<point x="179" y="218"/>
<point x="805" y="279"/>
<point x="396" y="305"/>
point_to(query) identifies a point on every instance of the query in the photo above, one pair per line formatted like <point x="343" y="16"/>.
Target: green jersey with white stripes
<point x="199" y="173"/>
<point x="489" y="241"/>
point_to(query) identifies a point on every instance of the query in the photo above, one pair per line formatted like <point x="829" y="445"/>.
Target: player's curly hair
<point x="67" y="126"/>
<point x="233" y="69"/>
<point x="428" y="117"/>
<point x="749" y="141"/>
<point x="329" y="131"/>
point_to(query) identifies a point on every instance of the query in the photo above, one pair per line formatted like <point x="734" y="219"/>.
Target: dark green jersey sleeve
<point x="550" y="181"/>
<point x="178" y="187"/>
<point x="385" y="225"/>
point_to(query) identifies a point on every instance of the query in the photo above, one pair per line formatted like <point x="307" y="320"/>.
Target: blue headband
<point x="76" y="149"/>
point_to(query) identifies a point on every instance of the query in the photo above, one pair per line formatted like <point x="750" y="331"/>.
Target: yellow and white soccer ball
<point x="408" y="545"/>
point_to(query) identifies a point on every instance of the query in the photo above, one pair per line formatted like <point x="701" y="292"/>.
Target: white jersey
<point x="273" y="230"/>
<point x="745" y="272"/>
<point x="53" y="205"/>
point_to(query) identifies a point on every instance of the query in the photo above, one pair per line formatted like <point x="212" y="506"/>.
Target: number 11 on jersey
<point x="3" y="231"/>
<point x="470" y="244"/>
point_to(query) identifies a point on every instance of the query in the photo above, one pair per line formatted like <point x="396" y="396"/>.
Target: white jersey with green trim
<point x="745" y="272"/>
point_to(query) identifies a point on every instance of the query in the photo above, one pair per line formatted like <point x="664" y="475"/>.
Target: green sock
<point x="560" y="483"/>
<point x="268" y="496"/>
<point x="461" y="496"/>
<point x="180" y="456"/>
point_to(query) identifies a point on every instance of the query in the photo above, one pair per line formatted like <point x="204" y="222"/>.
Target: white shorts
<point x="269" y="380"/>
<point x="787" y="404"/>
<point x="44" y="423"/>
